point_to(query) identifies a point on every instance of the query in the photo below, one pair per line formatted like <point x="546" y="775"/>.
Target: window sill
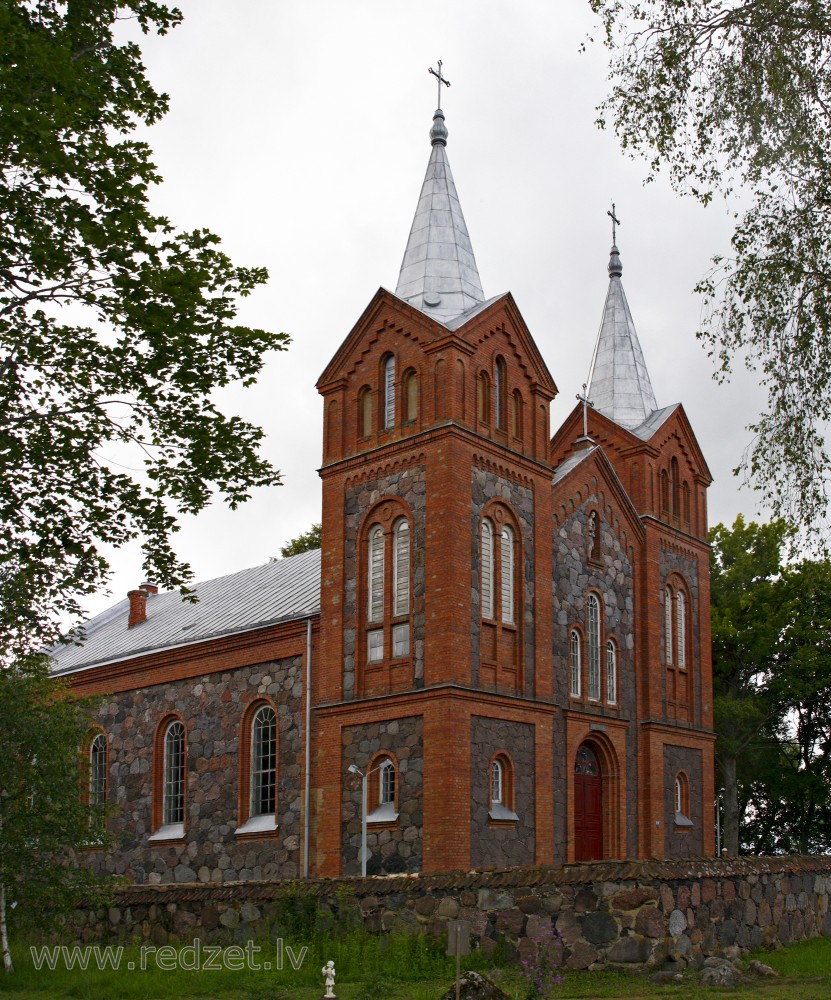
<point x="383" y="814"/>
<point x="683" y="822"/>
<point x="502" y="814"/>
<point x="257" y="827"/>
<point x="171" y="831"/>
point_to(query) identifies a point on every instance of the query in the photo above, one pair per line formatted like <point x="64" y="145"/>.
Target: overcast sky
<point x="298" y="132"/>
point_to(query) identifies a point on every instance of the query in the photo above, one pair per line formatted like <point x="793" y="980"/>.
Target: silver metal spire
<point x="439" y="274"/>
<point x="618" y="380"/>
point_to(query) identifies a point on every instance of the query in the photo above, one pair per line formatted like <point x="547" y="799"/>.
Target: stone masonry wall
<point x="688" y="569"/>
<point x="682" y="843"/>
<point x="410" y="486"/>
<point x="494" y="844"/>
<point x="393" y="847"/>
<point x="211" y="708"/>
<point x="608" y="914"/>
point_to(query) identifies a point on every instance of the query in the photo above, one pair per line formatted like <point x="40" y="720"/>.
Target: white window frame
<point x="375" y="645"/>
<point x="486" y="535"/>
<point x="681" y="629"/>
<point x="173" y="778"/>
<point x="389" y="392"/>
<point x="574" y="662"/>
<point x="507" y="567"/>
<point x="401" y="567"/>
<point x="97" y="780"/>
<point x="263" y="775"/>
<point x="611" y="672"/>
<point x="593" y="645"/>
<point x="668" y="630"/>
<point x="497" y="787"/>
<point x="375" y="575"/>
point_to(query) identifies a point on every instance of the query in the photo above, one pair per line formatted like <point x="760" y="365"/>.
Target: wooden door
<point x="588" y="806"/>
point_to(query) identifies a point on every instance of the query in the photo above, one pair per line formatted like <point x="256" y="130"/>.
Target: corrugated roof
<point x="252" y="598"/>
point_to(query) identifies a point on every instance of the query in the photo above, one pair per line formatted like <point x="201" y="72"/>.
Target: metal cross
<point x="584" y="399"/>
<point x="441" y="80"/>
<point x="615" y="222"/>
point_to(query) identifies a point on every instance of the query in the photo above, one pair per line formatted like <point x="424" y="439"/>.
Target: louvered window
<point x="594" y="647"/>
<point x="401" y="567"/>
<point x="668" y="625"/>
<point x="507" y="568"/>
<point x="264" y="762"/>
<point x="574" y="661"/>
<point x="681" y="629"/>
<point x="611" y="672"/>
<point x="389" y="392"/>
<point x="173" y="810"/>
<point x="375" y="611"/>
<point x="487" y="569"/>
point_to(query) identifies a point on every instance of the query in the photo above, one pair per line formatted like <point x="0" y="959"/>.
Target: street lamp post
<point x="353" y="769"/>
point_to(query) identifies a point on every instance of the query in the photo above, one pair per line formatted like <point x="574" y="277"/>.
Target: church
<point x="499" y="656"/>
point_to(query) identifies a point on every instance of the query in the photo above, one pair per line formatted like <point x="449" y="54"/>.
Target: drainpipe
<point x="307" y="793"/>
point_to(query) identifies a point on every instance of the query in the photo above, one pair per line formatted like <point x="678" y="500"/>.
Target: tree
<point x="735" y="96"/>
<point x="115" y="328"/>
<point x="43" y="815"/>
<point x="745" y="569"/>
<point x="303" y="543"/>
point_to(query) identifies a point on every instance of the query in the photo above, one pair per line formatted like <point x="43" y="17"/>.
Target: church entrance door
<point x="588" y="806"/>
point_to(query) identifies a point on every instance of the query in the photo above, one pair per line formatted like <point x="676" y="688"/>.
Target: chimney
<point x="138" y="603"/>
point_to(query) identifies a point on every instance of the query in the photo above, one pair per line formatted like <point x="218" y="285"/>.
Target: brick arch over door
<point x="595" y="817"/>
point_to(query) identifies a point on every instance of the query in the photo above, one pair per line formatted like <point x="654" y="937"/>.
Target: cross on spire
<point x="440" y="80"/>
<point x="584" y="399"/>
<point x="615" y="222"/>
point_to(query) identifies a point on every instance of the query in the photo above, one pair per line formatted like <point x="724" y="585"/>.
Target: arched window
<point x="502" y="789"/>
<point x="507" y="569"/>
<point x="411" y="396"/>
<point x="675" y="485"/>
<point x="483" y="398"/>
<point x="487" y="568"/>
<point x="500" y="379"/>
<point x="365" y="412"/>
<point x="681" y="629"/>
<point x="496" y="782"/>
<point x="382" y="789"/>
<point x="389" y="391"/>
<point x="97" y="781"/>
<point x="375" y="581"/>
<point x="264" y="762"/>
<point x="173" y="792"/>
<point x="574" y="662"/>
<point x="611" y="672"/>
<point x="516" y="414"/>
<point x="593" y="643"/>
<point x="668" y="625"/>
<point x="386" y="783"/>
<point x="401" y="566"/>
<point x="682" y="800"/>
<point x="593" y="526"/>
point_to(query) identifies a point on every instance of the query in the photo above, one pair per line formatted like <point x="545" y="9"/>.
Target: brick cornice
<point x="687" y="736"/>
<point x="421" y="695"/>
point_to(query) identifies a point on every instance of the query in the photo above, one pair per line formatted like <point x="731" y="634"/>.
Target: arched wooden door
<point x="588" y="806"/>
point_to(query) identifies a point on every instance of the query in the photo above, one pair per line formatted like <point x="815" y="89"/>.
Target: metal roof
<point x="252" y="598"/>
<point x="439" y="274"/>
<point x="619" y="385"/>
<point x="570" y="463"/>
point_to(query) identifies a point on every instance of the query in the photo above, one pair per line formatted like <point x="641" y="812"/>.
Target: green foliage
<point x="115" y="328"/>
<point x="734" y="97"/>
<point x="303" y="543"/>
<point x="43" y="816"/>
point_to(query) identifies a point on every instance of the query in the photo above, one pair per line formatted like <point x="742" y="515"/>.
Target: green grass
<point x="394" y="967"/>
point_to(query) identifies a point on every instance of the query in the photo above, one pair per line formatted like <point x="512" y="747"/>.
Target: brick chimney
<point x="138" y="603"/>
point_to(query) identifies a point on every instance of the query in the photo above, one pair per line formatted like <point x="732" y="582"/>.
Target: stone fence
<point x="670" y="913"/>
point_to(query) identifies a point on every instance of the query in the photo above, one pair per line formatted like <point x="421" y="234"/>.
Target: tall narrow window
<point x="386" y="783"/>
<point x="496" y="783"/>
<point x="507" y="569"/>
<point x="685" y="503"/>
<point x="574" y="661"/>
<point x="389" y="392"/>
<point x="611" y="672"/>
<point x="501" y="395"/>
<point x="376" y="574"/>
<point x="173" y="795"/>
<point x="487" y="569"/>
<point x="516" y="414"/>
<point x="681" y="629"/>
<point x="365" y="413"/>
<point x="664" y="492"/>
<point x="264" y="762"/>
<point x="594" y="647"/>
<point x="401" y="567"/>
<point x="675" y="487"/>
<point x="97" y="781"/>
<point x="483" y="398"/>
<point x="668" y="625"/>
<point x="411" y="396"/>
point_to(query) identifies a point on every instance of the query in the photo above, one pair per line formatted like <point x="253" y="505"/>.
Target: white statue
<point x="328" y="973"/>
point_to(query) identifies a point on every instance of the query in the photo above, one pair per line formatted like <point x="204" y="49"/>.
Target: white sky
<point x="298" y="132"/>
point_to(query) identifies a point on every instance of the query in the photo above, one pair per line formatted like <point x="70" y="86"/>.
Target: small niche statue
<point x="328" y="973"/>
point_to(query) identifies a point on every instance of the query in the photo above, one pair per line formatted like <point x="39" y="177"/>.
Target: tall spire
<point x="619" y="383"/>
<point x="439" y="274"/>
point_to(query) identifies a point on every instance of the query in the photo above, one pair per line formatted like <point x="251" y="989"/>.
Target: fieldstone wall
<point x="493" y="843"/>
<point x="394" y="847"/>
<point x="670" y="914"/>
<point x="211" y="707"/>
<point x="613" y="578"/>
<point x="488" y="486"/>
<point x="410" y="486"/>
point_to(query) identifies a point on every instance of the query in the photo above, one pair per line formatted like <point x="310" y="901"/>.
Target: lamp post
<point x="353" y="769"/>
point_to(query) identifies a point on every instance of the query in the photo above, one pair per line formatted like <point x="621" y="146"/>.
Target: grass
<point x="394" y="967"/>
